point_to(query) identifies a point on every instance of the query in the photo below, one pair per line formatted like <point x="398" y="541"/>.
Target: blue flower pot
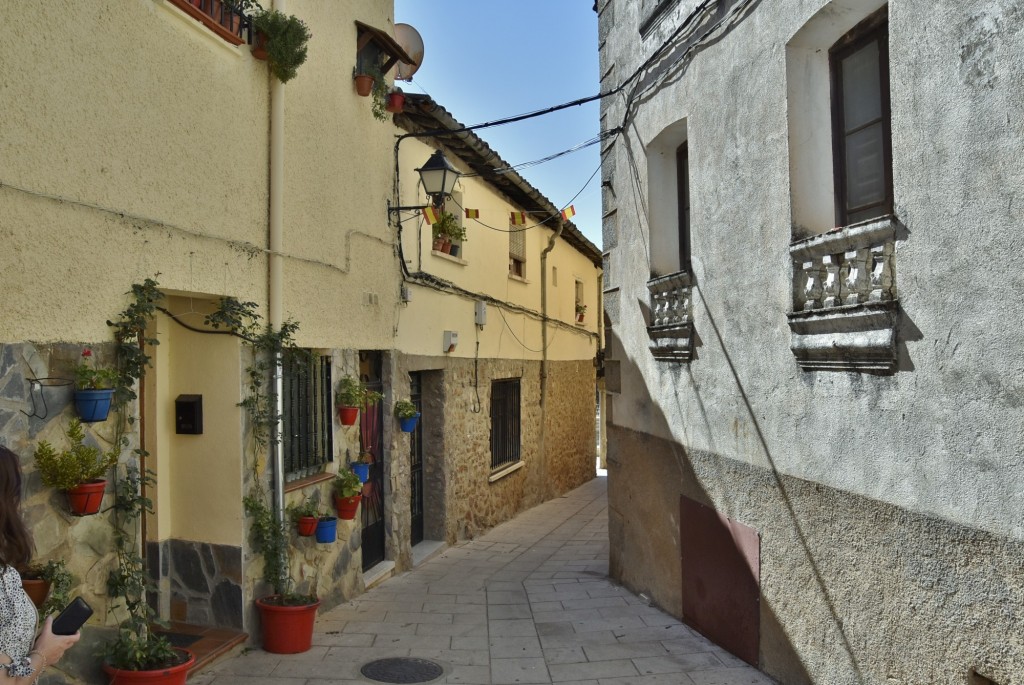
<point x="408" y="425"/>
<point x="93" y="405"/>
<point x="362" y="470"/>
<point x="327" y="529"/>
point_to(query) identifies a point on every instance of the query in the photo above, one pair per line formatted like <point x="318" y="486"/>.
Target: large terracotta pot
<point x="174" y="675"/>
<point x="85" y="499"/>
<point x="286" y="629"/>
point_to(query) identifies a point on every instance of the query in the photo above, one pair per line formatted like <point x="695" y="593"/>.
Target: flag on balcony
<point x="518" y="218"/>
<point x="430" y="214"/>
<point x="472" y="213"/>
<point x="568" y="213"/>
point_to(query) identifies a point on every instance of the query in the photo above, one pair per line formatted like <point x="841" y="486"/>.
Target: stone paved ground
<point x="529" y="602"/>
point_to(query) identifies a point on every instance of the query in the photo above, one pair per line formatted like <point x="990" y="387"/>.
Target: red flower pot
<point x="286" y="629"/>
<point x="36" y="589"/>
<point x="438" y="245"/>
<point x="364" y="84"/>
<point x="172" y="675"/>
<point x="347" y="506"/>
<point x="307" y="526"/>
<point x="396" y="103"/>
<point x="85" y="499"/>
<point x="259" y="45"/>
<point x="348" y="415"/>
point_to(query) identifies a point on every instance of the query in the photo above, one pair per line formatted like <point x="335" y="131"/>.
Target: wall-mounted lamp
<point x="438" y="177"/>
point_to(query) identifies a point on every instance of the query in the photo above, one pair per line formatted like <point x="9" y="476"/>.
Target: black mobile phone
<point x="72" y="618"/>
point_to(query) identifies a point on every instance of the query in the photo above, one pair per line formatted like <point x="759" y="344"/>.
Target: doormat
<point x="180" y="639"/>
<point x="402" y="670"/>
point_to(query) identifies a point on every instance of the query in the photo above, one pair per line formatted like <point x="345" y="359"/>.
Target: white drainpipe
<point x="276" y="268"/>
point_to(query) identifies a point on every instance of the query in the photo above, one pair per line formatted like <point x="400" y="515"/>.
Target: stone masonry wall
<point x="557" y="441"/>
<point x="853" y="590"/>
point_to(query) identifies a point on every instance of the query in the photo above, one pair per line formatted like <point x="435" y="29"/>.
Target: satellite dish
<point x="409" y="38"/>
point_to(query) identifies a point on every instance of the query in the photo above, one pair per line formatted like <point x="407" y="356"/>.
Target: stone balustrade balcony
<point x="671" y="326"/>
<point x="844" y="298"/>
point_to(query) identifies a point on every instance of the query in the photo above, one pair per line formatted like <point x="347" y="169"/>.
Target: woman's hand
<point x="52" y="647"/>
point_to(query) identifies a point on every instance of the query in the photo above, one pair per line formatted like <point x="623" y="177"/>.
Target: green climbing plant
<point x="269" y="536"/>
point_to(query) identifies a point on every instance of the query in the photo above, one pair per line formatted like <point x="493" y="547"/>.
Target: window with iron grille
<point x="307" y="438"/>
<point x="505" y="422"/>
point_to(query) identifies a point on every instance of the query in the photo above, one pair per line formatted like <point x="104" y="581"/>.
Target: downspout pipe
<point x="276" y="275"/>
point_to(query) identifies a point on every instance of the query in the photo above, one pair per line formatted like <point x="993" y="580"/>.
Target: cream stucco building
<point x="139" y="140"/>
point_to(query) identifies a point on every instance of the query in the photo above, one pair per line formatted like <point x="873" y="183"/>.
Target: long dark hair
<point x="15" y="540"/>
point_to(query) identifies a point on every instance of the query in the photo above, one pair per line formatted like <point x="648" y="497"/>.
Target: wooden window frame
<point x="683" y="195"/>
<point x="873" y="29"/>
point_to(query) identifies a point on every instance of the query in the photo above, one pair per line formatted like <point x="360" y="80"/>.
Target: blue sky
<point x="488" y="59"/>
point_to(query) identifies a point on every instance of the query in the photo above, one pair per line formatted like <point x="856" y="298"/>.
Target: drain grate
<point x="402" y="670"/>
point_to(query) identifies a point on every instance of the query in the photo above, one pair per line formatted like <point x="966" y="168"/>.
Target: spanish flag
<point x="518" y="218"/>
<point x="430" y="214"/>
<point x="472" y="213"/>
<point x="568" y="213"/>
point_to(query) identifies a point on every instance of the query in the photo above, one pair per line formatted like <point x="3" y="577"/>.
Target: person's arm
<point x="47" y="650"/>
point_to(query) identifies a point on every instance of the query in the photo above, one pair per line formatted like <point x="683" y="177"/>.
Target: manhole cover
<point x="402" y="670"/>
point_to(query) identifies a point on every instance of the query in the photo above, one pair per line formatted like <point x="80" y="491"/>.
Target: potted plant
<point x="361" y="467"/>
<point x="281" y="39"/>
<point x="137" y="656"/>
<point x="48" y="585"/>
<point x="396" y="101"/>
<point x="405" y="412"/>
<point x="77" y="471"/>
<point x="94" y="389"/>
<point x="379" y="93"/>
<point x="304" y="515"/>
<point x="347" y="493"/>
<point x="350" y="396"/>
<point x="581" y="310"/>
<point x="364" y="82"/>
<point x="326" y="529"/>
<point x="447" y="228"/>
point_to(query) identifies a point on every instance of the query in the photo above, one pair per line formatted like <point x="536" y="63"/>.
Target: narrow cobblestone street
<point x="529" y="602"/>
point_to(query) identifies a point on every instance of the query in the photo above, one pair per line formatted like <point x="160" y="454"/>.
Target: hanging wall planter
<point x="408" y="425"/>
<point x="93" y="405"/>
<point x="362" y="470"/>
<point x="85" y="499"/>
<point x="347" y="506"/>
<point x="37" y="589"/>
<point x="364" y="84"/>
<point x="348" y="415"/>
<point x="396" y="102"/>
<point x="327" y="529"/>
<point x="306" y="525"/>
<point x="259" y="46"/>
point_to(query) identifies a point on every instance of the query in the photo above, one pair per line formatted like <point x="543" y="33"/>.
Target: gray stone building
<point x="813" y="211"/>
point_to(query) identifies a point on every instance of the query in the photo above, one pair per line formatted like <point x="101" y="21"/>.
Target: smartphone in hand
<point x="72" y="618"/>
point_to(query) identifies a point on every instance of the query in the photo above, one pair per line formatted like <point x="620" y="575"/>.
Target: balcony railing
<point x="220" y="17"/>
<point x="845" y="298"/>
<point x="671" y="327"/>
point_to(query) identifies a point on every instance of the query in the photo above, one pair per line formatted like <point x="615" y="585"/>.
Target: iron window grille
<point x="505" y="423"/>
<point x="308" y="435"/>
